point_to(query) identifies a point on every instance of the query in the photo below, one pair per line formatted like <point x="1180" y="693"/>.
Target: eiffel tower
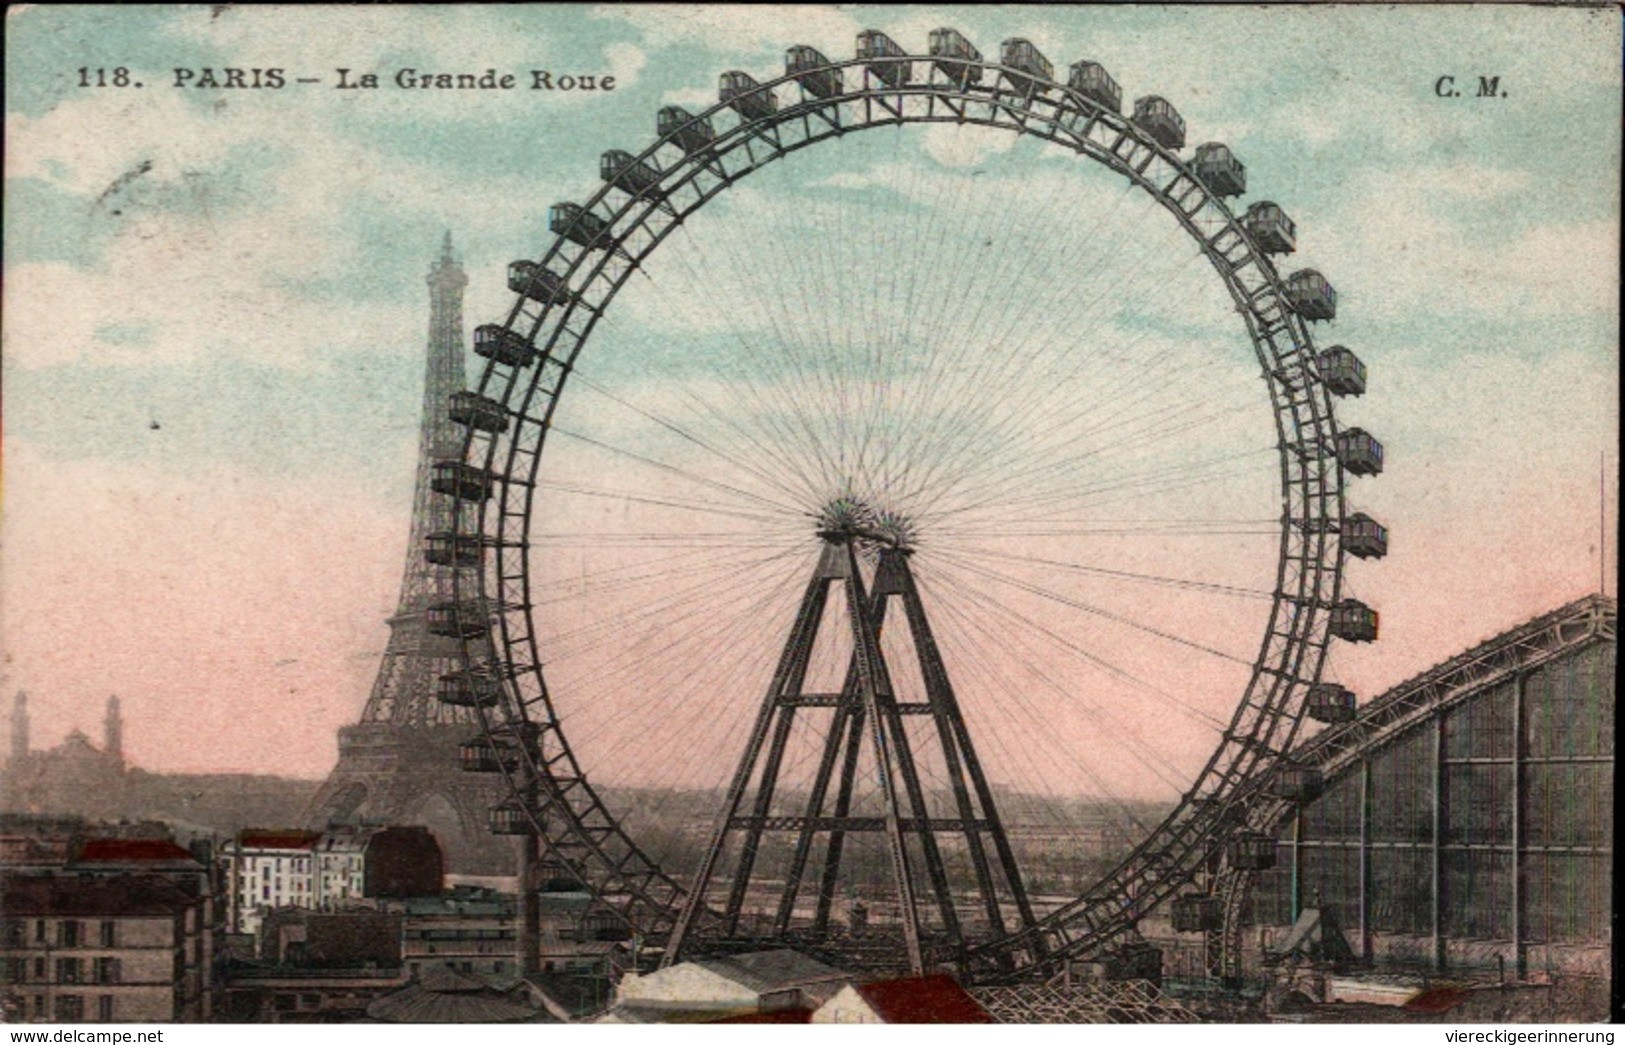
<point x="400" y="762"/>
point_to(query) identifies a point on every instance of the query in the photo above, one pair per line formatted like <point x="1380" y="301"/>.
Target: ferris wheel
<point x="994" y="352"/>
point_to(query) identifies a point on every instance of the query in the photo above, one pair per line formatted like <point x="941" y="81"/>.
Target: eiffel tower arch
<point x="400" y="761"/>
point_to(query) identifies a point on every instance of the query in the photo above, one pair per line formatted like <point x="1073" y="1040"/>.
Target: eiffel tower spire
<point x="404" y="692"/>
<point x="438" y="436"/>
<point x="401" y="761"/>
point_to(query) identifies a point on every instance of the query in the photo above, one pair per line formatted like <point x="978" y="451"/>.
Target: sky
<point x="215" y="315"/>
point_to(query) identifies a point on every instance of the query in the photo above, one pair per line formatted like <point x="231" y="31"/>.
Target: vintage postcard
<point x="650" y="514"/>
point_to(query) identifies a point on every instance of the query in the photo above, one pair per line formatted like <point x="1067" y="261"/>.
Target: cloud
<point x="690" y="97"/>
<point x="741" y="29"/>
<point x="86" y="146"/>
<point x="1456" y="243"/>
<point x="221" y="245"/>
<point x="316" y="41"/>
<point x="626" y="61"/>
<point x="966" y="146"/>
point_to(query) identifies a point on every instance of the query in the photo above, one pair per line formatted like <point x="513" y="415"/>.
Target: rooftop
<point x="444" y="996"/>
<point x="922" y="999"/>
<point x="123" y="895"/>
<point x="259" y="838"/>
<point x="776" y="970"/>
<point x="150" y="851"/>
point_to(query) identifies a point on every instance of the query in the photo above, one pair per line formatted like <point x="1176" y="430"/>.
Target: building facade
<point x="106" y="923"/>
<point x="1470" y="830"/>
<point x="266" y="870"/>
<point x="345" y="865"/>
<point x="113" y="949"/>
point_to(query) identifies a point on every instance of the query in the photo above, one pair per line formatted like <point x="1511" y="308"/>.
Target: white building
<point x="340" y="866"/>
<point x="268" y="869"/>
<point x="327" y="871"/>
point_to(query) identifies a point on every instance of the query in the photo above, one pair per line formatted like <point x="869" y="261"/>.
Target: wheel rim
<point x="565" y="809"/>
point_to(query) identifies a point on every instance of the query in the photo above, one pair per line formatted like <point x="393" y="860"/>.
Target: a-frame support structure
<point x="864" y="716"/>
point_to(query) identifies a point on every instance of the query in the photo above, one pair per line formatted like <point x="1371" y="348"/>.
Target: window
<point x="39" y="931"/>
<point x="104" y="1008"/>
<point x="39" y="1006"/>
<point x="39" y="968"/>
<point x="15" y="933"/>
<point x="109" y="934"/>
<point x="67" y="933"/>
<point x="67" y="970"/>
<point x="70" y="1008"/>
<point x="107" y="970"/>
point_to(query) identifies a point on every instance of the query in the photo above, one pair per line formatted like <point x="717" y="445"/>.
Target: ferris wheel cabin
<point x="741" y="93"/>
<point x="1364" y="537"/>
<point x="1354" y="621"/>
<point x="457" y="620"/>
<point x="461" y="480"/>
<point x="540" y="284"/>
<point x="1251" y="851"/>
<point x="1196" y="913"/>
<point x="1359" y="451"/>
<point x="1217" y="168"/>
<point x="630" y="174"/>
<point x="445" y="548"/>
<point x="1330" y="703"/>
<point x="1091" y="80"/>
<point x="1156" y="117"/>
<point x="495" y="341"/>
<point x="461" y="689"/>
<point x="481" y="756"/>
<point x="812" y="71"/>
<point x="1298" y="783"/>
<point x="883" y="58"/>
<point x="691" y="133"/>
<point x="509" y="818"/>
<point x="1342" y="371"/>
<point x="580" y="226"/>
<point x="476" y="411"/>
<point x="1270" y="228"/>
<point x="1310" y="295"/>
<point x="955" y="57"/>
<point x="1025" y="66"/>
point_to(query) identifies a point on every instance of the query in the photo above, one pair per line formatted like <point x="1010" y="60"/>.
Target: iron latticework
<point x="603" y="242"/>
<point x="400" y="762"/>
<point x="1477" y="734"/>
<point x="865" y="737"/>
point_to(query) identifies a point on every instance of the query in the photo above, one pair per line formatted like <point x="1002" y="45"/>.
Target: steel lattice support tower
<point x="400" y="762"/>
<point x="865" y="717"/>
